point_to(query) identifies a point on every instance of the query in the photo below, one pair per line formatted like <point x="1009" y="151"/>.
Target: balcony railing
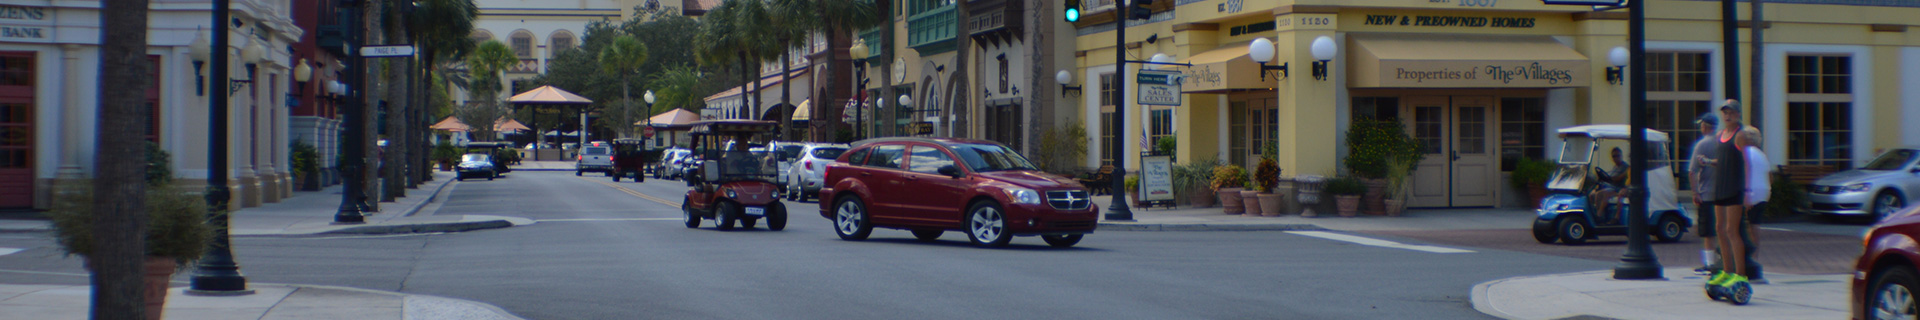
<point x="931" y="32"/>
<point x="525" y="66"/>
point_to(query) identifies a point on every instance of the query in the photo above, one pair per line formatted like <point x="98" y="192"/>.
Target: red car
<point x="930" y="185"/>
<point x="1885" y="278"/>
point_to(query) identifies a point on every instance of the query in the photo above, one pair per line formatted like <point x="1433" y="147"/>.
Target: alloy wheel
<point x="1894" y="301"/>
<point x="987" y="225"/>
<point x="1885" y="205"/>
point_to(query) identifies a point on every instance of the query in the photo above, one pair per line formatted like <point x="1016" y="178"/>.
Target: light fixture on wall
<point x="303" y="73"/>
<point x="1261" y="50"/>
<point x="1323" y="50"/>
<point x="198" y="50"/>
<point x="1064" y="78"/>
<point x="1618" y="57"/>
<point x="251" y="56"/>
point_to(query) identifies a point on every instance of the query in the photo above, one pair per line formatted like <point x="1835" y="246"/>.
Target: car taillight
<point x="579" y="157"/>
<point x="809" y="163"/>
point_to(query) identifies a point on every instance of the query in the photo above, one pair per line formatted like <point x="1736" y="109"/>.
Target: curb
<point x="542" y="169"/>
<point x="1480" y="303"/>
<point x="470" y="303"/>
<point x="424" y="228"/>
<point x="1207" y="227"/>
<point x="431" y="196"/>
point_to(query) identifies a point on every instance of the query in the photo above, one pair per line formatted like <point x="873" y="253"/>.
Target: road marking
<point x="7" y="251"/>
<point x="1377" y="242"/>
<point x="1775" y="229"/>
<point x="50" y="273"/>
<point x="634" y="193"/>
<point x="610" y="219"/>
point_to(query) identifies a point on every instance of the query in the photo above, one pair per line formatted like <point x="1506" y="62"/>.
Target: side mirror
<point x="949" y="170"/>
<point x="710" y="170"/>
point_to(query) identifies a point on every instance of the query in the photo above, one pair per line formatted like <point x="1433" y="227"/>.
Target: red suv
<point x="1885" y="278"/>
<point x="929" y="185"/>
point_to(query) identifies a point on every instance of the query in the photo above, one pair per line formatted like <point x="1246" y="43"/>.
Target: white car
<point x="784" y="157"/>
<point x="809" y="168"/>
<point x="597" y="157"/>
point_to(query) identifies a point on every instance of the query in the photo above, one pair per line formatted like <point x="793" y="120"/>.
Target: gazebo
<point x="503" y="125"/>
<point x="549" y="97"/>
<point x="672" y="121"/>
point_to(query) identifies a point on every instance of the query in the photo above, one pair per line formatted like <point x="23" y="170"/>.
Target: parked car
<point x="477" y="165"/>
<point x="808" y="168"/>
<point x="669" y="160"/>
<point x="784" y="154"/>
<point x="595" y="157"/>
<point x="1885" y="278"/>
<point x="931" y="185"/>
<point x="1876" y="190"/>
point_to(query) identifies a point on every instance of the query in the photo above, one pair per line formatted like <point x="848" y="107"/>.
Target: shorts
<point x="1734" y="201"/>
<point x="1705" y="224"/>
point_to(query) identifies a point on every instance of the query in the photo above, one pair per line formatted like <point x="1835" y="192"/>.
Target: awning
<point x="804" y="111"/>
<point x="451" y="124"/>
<point x="1464" y="61"/>
<point x="1223" y="70"/>
<point x="676" y="118"/>
<point x="548" y="95"/>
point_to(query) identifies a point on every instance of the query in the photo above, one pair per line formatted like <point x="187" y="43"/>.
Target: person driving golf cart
<point x="1611" y="183"/>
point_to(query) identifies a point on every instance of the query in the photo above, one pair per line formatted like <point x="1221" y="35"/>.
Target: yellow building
<point x="1483" y="82"/>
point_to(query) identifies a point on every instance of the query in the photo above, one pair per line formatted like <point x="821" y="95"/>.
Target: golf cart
<point x="732" y="183"/>
<point x="1568" y="215"/>
<point x="630" y="159"/>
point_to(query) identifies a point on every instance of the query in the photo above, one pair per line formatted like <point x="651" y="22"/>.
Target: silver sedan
<point x="1876" y="190"/>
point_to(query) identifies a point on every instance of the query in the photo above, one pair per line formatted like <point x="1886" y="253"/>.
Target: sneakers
<point x="1733" y="278"/>
<point x="1706" y="270"/>
<point x="1719" y="278"/>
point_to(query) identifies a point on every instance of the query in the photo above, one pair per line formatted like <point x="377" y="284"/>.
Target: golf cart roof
<point x="1610" y="131"/>
<point x="732" y="126"/>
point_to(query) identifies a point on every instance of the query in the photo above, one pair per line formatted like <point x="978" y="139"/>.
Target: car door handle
<point x="866" y="174"/>
<point x="912" y="178"/>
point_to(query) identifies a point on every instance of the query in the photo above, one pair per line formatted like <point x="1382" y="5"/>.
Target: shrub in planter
<point x="445" y="154"/>
<point x="176" y="231"/>
<point x="306" y="165"/>
<point x="1531" y="175"/>
<point x="1227" y="181"/>
<point x="1192" y="179"/>
<point x="1370" y="144"/>
<point x="1132" y="184"/>
<point x="1165" y="145"/>
<point x="1266" y="175"/>
<point x="1346" y="191"/>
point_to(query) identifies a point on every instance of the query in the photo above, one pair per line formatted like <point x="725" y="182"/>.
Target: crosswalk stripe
<point x="609" y="219"/>
<point x="1377" y="242"/>
<point x="7" y="251"/>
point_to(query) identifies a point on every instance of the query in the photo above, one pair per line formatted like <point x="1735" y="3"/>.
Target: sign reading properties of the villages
<point x="1159" y="87"/>
<point x="1156" y="178"/>
<point x="1448" y="21"/>
<point x="1482" y="74"/>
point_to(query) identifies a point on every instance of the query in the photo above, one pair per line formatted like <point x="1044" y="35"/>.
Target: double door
<point x="1461" y="168"/>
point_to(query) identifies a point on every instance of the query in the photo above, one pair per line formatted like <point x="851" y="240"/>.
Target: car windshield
<point x="1892" y="160"/>
<point x="473" y="157"/>
<point x="990" y="157"/>
<point x="828" y="152"/>
<point x="790" y="151"/>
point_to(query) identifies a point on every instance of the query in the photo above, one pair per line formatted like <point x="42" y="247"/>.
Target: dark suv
<point x="929" y="186"/>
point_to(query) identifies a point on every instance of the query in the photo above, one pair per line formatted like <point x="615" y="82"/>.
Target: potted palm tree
<point x="1396" y="192"/>
<point x="1346" y="192"/>
<point x="1192" y="179"/>
<point x="1227" y="182"/>
<point x="445" y="155"/>
<point x="1267" y="176"/>
<point x="1133" y="189"/>
<point x="177" y="232"/>
<point x="306" y="166"/>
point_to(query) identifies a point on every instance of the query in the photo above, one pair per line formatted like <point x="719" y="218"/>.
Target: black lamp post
<point x="217" y="273"/>
<point x="859" y="53"/>
<point x="353" y="151"/>
<point x="1638" y="262"/>
<point x="1117" y="209"/>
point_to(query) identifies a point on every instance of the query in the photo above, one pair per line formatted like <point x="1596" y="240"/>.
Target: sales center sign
<point x="25" y="24"/>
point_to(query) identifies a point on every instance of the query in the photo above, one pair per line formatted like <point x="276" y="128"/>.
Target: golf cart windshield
<point x="746" y="165"/>
<point x="1577" y="150"/>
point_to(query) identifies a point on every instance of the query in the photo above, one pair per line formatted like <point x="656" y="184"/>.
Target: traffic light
<point x="1139" y="10"/>
<point x="1073" y="10"/>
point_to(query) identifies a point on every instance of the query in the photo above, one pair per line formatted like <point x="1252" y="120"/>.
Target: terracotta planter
<point x="1534" y="194"/>
<point x="1376" y="196"/>
<point x="1230" y="201"/>
<point x="1349" y="204"/>
<point x="446" y="165"/>
<point x="159" y="271"/>
<point x="1395" y="207"/>
<point x="1200" y="198"/>
<point x="1134" y="197"/>
<point x="1251" y="200"/>
<point x="1270" y="204"/>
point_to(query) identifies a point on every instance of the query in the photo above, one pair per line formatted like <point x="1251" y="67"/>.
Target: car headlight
<point x="1023" y="196"/>
<point x="730" y="194"/>
<point x="1858" y="187"/>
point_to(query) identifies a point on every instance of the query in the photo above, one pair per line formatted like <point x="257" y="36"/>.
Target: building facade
<point x="1484" y="83"/>
<point x="49" y="68"/>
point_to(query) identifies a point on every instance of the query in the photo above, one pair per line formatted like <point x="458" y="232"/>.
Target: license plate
<point x="753" y="211"/>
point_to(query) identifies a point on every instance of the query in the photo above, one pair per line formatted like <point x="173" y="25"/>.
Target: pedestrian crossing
<point x="7" y="251"/>
<point x="1377" y="242"/>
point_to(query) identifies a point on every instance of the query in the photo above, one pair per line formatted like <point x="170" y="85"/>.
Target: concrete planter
<point x="1349" y="204"/>
<point x="1270" y="204"/>
<point x="1251" y="200"/>
<point x="1230" y="201"/>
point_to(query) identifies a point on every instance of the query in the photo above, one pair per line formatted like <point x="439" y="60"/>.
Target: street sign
<point x="1600" y="3"/>
<point x="647" y="131"/>
<point x="386" y="51"/>
<point x="1159" y="87"/>
<point x="923" y="127"/>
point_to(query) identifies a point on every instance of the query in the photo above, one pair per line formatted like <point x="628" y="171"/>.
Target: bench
<point x="1805" y="174"/>
<point x="1099" y="182"/>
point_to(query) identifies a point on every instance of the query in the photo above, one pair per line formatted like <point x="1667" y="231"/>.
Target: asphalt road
<point x="601" y="252"/>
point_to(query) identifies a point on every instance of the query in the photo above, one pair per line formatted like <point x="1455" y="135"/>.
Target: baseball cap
<point x="1731" y="104"/>
<point x="1708" y="118"/>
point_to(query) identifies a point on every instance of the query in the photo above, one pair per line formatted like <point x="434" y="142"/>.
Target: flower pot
<point x="1251" y="200"/>
<point x="1534" y="194"/>
<point x="1349" y="204"/>
<point x="1134" y="197"/>
<point x="1395" y="207"/>
<point x="446" y="165"/>
<point x="1376" y="196"/>
<point x="1270" y="204"/>
<point x="1230" y="201"/>
<point x="159" y="271"/>
<point x="1200" y="198"/>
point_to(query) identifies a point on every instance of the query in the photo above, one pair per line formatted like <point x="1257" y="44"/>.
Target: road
<point x="602" y="250"/>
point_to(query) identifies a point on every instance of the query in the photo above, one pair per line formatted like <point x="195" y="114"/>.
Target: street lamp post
<point x="1638" y="262"/>
<point x="859" y="53"/>
<point x="1117" y="209"/>
<point x="353" y="151"/>
<point x="649" y="114"/>
<point x="217" y="273"/>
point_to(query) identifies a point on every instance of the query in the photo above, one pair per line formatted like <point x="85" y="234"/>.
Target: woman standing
<point x="1729" y="196"/>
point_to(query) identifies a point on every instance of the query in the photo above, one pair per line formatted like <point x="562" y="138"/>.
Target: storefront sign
<point x="1482" y="74"/>
<point x="1223" y="70"/>
<point x="1448" y="21"/>
<point x="1159" y="87"/>
<point x="21" y="23"/>
<point x="1156" y="178"/>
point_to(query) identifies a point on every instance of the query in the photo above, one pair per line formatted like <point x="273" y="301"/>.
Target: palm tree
<point x="484" y="65"/>
<point x="624" y="57"/>
<point x="398" y="139"/>
<point x="120" y="227"/>
<point x="678" y="87"/>
<point x="737" y="28"/>
<point x="833" y="18"/>
<point x="440" y="29"/>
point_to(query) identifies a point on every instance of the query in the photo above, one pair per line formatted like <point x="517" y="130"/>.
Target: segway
<point x="1739" y="294"/>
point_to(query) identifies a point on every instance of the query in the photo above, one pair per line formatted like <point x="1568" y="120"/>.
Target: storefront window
<point x="1820" y="111"/>
<point x="1523" y="130"/>
<point x="1162" y="121"/>
<point x="1678" y="92"/>
<point x="1380" y="108"/>
<point x="1108" y="93"/>
<point x="1237" y="138"/>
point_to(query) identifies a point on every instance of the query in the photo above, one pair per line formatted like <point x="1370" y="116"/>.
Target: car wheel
<point x="1885" y="204"/>
<point x="490" y="178"/>
<point x="1544" y="235"/>
<point x="577" y="173"/>
<point x="1669" y="230"/>
<point x="616" y="178"/>
<point x="1573" y="230"/>
<point x="927" y="235"/>
<point x="1892" y="295"/>
<point x="850" y="219"/>
<point x="777" y="217"/>
<point x="987" y="225"/>
<point x="723" y="215"/>
<point x="1063" y="241"/>
<point x="692" y="220"/>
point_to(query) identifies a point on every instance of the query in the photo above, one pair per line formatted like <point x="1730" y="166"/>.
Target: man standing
<point x="1699" y="175"/>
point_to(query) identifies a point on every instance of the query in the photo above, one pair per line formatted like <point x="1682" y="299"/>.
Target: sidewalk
<point x="1596" y="295"/>
<point x="312" y="212"/>
<point x="269" y="301"/>
<point x="1214" y="219"/>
